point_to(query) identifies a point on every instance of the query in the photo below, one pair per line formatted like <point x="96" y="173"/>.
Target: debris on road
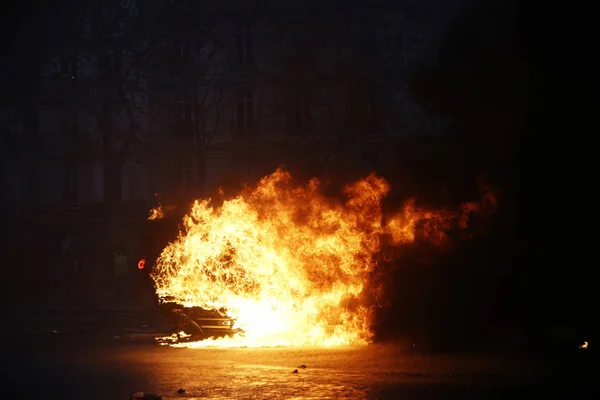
<point x="295" y="371"/>
<point x="181" y="391"/>
<point x="302" y="366"/>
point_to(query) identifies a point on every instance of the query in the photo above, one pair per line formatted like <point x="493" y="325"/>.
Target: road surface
<point x="101" y="367"/>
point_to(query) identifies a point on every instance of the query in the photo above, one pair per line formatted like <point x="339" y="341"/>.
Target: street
<point x="102" y="367"/>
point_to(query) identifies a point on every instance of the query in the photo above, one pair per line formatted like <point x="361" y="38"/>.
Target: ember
<point x="288" y="264"/>
<point x="156" y="213"/>
<point x="160" y="212"/>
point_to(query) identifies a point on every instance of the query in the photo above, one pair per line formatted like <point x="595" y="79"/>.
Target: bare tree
<point x="187" y="84"/>
<point x="119" y="36"/>
<point x="104" y="48"/>
<point x="114" y="51"/>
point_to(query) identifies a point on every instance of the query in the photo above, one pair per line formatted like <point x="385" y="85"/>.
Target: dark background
<point x="501" y="287"/>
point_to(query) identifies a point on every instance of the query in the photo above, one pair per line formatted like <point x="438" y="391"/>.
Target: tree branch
<point x="143" y="57"/>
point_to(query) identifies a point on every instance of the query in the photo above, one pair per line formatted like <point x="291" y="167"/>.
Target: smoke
<point x="454" y="294"/>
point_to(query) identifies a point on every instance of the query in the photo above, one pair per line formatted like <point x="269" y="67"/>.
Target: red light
<point x="142" y="263"/>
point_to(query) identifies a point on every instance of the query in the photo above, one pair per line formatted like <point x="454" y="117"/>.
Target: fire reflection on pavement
<point x="115" y="369"/>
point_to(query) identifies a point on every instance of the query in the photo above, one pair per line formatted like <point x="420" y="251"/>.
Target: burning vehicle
<point x="196" y="323"/>
<point x="189" y="323"/>
<point x="282" y="264"/>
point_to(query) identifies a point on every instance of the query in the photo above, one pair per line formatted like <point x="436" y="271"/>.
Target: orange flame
<point x="160" y="211"/>
<point x="287" y="263"/>
<point x="156" y="213"/>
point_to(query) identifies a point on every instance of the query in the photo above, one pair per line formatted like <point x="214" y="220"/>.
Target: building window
<point x="243" y="48"/>
<point x="68" y="68"/>
<point x="373" y="107"/>
<point x="243" y="114"/>
<point x="374" y="119"/>
<point x="370" y="159"/>
<point x="186" y="175"/>
<point x="11" y="123"/>
<point x="244" y="166"/>
<point x="71" y="172"/>
<point x="368" y="113"/>
<point x="70" y="124"/>
<point x="384" y="40"/>
<point x="300" y="118"/>
<point x="182" y="50"/>
<point x="109" y="63"/>
<point x="181" y="101"/>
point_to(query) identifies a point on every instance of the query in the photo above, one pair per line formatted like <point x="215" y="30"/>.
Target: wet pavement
<point x="82" y="319"/>
<point x="111" y="353"/>
<point x="73" y="366"/>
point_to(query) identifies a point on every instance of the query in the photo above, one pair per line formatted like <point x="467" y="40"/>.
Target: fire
<point x="290" y="265"/>
<point x="173" y="338"/>
<point x="156" y="213"/>
<point x="160" y="211"/>
<point x="584" y="345"/>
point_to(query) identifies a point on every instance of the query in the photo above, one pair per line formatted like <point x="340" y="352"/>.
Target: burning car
<point x="197" y="323"/>
<point x="284" y="264"/>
